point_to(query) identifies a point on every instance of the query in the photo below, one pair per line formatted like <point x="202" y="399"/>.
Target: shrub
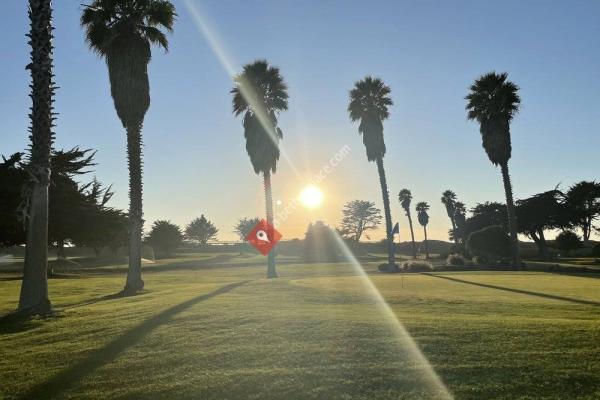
<point x="596" y="251"/>
<point x="384" y="268"/>
<point x="481" y="261"/>
<point x="416" y="266"/>
<point x="567" y="241"/>
<point x="491" y="242"/>
<point x="456" y="260"/>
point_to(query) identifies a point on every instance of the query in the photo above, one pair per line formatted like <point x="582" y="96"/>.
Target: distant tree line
<point x="573" y="211"/>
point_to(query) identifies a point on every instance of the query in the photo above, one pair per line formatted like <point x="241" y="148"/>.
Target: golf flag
<point x="396" y="229"/>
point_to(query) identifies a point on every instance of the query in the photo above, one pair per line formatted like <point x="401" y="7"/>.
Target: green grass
<point x="317" y="332"/>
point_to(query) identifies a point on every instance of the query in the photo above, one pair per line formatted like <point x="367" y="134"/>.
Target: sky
<point x="428" y="52"/>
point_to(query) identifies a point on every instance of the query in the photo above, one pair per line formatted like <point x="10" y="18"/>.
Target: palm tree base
<point x="132" y="288"/>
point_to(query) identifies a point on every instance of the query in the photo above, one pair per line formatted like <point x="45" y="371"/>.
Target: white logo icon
<point x="262" y="235"/>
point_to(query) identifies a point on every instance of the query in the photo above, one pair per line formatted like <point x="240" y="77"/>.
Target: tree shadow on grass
<point x="520" y="291"/>
<point x="16" y="322"/>
<point x="73" y="374"/>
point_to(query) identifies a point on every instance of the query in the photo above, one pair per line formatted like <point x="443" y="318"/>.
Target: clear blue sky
<point x="427" y="51"/>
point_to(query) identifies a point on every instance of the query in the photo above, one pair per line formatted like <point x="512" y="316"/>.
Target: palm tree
<point x="449" y="201"/>
<point x="34" y="288"/>
<point x="405" y="196"/>
<point x="261" y="94"/>
<point x="369" y="102"/>
<point x="422" y="208"/>
<point x="122" y="31"/>
<point x="493" y="101"/>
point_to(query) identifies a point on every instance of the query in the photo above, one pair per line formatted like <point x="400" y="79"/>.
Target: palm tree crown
<point x="108" y="23"/>
<point x="449" y="200"/>
<point x="405" y="197"/>
<point x="261" y="94"/>
<point x="422" y="208"/>
<point x="369" y="102"/>
<point x="122" y="31"/>
<point x="493" y="101"/>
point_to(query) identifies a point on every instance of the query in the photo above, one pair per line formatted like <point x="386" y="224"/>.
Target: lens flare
<point x="434" y="383"/>
<point x="219" y="49"/>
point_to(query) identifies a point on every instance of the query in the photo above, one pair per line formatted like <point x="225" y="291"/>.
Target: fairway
<point x="317" y="332"/>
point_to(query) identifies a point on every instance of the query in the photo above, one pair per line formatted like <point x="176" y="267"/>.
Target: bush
<point x="481" y="261"/>
<point x="491" y="242"/>
<point x="456" y="260"/>
<point x="416" y="266"/>
<point x="596" y="251"/>
<point x="567" y="241"/>
<point x="384" y="268"/>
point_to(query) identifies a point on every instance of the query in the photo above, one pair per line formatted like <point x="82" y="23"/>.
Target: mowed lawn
<point x="317" y="332"/>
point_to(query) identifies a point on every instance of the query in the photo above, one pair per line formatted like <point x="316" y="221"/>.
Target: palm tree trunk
<point x="512" y="219"/>
<point x="134" y="281"/>
<point x="271" y="272"/>
<point x="34" y="289"/>
<point x="454" y="235"/>
<point x="412" y="235"/>
<point x="33" y="298"/>
<point x="426" y="244"/>
<point x="388" y="215"/>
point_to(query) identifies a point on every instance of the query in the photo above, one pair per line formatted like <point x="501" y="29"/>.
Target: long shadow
<point x="70" y="376"/>
<point x="520" y="291"/>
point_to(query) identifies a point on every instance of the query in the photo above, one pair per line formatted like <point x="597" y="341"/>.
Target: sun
<point x="311" y="196"/>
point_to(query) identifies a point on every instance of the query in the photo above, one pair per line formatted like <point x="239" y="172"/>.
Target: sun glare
<point x="311" y="197"/>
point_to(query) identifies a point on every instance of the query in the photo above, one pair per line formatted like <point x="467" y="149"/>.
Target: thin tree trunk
<point x="134" y="281"/>
<point x="512" y="220"/>
<point x="412" y="235"/>
<point x="271" y="272"/>
<point x="544" y="244"/>
<point x="454" y="235"/>
<point x="33" y="298"/>
<point x="388" y="215"/>
<point x="426" y="244"/>
<point x="60" y="250"/>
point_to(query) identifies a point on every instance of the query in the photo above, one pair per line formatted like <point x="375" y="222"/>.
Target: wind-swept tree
<point x="359" y="216"/>
<point x="201" y="230"/>
<point x="583" y="199"/>
<point x="122" y="31"/>
<point x="422" y="208"/>
<point x="449" y="201"/>
<point x="493" y="101"/>
<point x="34" y="288"/>
<point x="539" y="213"/>
<point x="369" y="103"/>
<point x="405" y="197"/>
<point x="261" y="94"/>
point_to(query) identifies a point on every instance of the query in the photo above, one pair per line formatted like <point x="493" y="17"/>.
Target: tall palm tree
<point x="449" y="201"/>
<point x="34" y="288"/>
<point x="369" y="103"/>
<point x="422" y="208"/>
<point x="121" y="32"/>
<point x="493" y="101"/>
<point x="405" y="197"/>
<point x="261" y="94"/>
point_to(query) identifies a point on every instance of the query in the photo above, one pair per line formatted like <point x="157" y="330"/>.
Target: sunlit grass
<point x="314" y="333"/>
